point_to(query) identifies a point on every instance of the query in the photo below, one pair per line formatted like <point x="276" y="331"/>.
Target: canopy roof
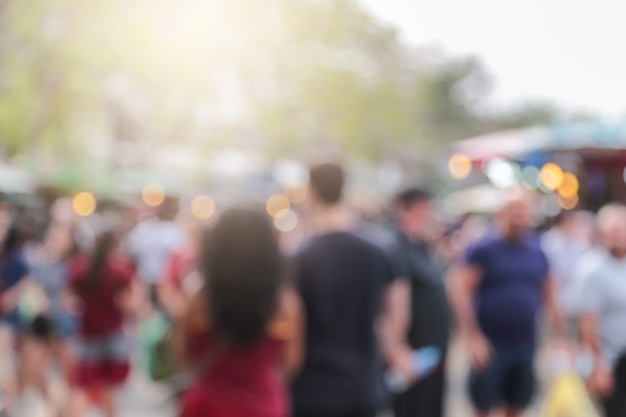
<point x="515" y="143"/>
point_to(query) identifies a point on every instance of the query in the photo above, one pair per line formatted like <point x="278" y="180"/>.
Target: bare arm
<point x="293" y="315"/>
<point x="589" y="332"/>
<point x="601" y="382"/>
<point x="394" y="325"/>
<point x="463" y="290"/>
<point x="554" y="310"/>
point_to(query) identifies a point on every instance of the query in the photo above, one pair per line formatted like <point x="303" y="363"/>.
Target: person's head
<point x="413" y="210"/>
<point x="609" y="223"/>
<point x="167" y="210"/>
<point x="104" y="244"/>
<point x="14" y="240"/>
<point x="514" y="219"/>
<point x="60" y="241"/>
<point x="243" y="271"/>
<point x="326" y="183"/>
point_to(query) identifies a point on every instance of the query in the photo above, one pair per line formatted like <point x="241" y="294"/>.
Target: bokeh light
<point x="286" y="220"/>
<point x="459" y="166"/>
<point x="551" y="176"/>
<point x="568" y="203"/>
<point x="502" y="173"/>
<point x="569" y="186"/>
<point x="296" y="193"/>
<point x="202" y="207"/>
<point x="530" y="177"/>
<point x="84" y="204"/>
<point x="277" y="203"/>
<point x="153" y="194"/>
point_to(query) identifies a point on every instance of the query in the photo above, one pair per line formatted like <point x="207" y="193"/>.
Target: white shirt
<point x="605" y="295"/>
<point x="563" y="253"/>
<point x="151" y="243"/>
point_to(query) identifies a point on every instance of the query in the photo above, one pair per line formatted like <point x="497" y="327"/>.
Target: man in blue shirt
<point x="498" y="297"/>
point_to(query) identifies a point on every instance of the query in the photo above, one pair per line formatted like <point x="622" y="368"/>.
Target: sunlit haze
<point x="563" y="51"/>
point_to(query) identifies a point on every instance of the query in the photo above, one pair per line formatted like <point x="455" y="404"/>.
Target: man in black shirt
<point x="430" y="313"/>
<point x="345" y="282"/>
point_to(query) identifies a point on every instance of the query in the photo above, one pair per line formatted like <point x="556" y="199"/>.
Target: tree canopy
<point x="113" y="79"/>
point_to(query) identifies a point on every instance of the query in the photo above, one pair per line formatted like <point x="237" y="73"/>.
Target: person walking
<point x="14" y="277"/>
<point x="430" y="316"/>
<point x="344" y="281"/>
<point x="242" y="333"/>
<point x="564" y="248"/>
<point x="102" y="284"/>
<point x="151" y="244"/>
<point x="604" y="315"/>
<point x="498" y="297"/>
<point x="52" y="324"/>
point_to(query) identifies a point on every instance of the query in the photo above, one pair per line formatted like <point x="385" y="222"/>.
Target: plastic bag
<point x="150" y="333"/>
<point x="568" y="397"/>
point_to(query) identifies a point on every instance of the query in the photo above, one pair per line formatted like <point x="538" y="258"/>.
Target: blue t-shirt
<point x="510" y="294"/>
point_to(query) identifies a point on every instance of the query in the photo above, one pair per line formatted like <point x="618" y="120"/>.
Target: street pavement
<point x="140" y="397"/>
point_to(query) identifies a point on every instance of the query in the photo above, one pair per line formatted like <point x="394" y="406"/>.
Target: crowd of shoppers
<point x="345" y="322"/>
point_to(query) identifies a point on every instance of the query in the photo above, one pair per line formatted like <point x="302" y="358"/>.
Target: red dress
<point x="104" y="350"/>
<point x="241" y="382"/>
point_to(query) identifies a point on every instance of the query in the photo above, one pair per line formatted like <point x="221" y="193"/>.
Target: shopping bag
<point x="568" y="397"/>
<point x="32" y="303"/>
<point x="163" y="364"/>
<point x="156" y="340"/>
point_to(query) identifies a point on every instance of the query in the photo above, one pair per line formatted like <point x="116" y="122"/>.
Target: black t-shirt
<point x="431" y="315"/>
<point x="342" y="279"/>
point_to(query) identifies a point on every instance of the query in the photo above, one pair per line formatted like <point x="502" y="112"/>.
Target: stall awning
<point x="515" y="143"/>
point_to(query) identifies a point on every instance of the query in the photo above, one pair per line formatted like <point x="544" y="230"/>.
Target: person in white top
<point x="151" y="244"/>
<point x="603" y="319"/>
<point x="607" y="218"/>
<point x="564" y="246"/>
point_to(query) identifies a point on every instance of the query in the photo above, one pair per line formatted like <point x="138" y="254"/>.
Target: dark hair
<point x="406" y="198"/>
<point x="104" y="244"/>
<point x="243" y="270"/>
<point x="167" y="210"/>
<point x="13" y="241"/>
<point x="327" y="180"/>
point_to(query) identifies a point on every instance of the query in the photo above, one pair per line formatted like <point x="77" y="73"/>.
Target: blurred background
<point x="124" y="103"/>
<point x="109" y="96"/>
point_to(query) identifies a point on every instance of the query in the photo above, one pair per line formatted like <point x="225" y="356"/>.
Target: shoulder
<point x="140" y="228"/>
<point x="483" y="246"/>
<point x="77" y="266"/>
<point x="171" y="230"/>
<point x="383" y="238"/>
<point x="121" y="267"/>
<point x="345" y="244"/>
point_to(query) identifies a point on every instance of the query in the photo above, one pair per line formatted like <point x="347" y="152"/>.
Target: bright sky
<point x="571" y="52"/>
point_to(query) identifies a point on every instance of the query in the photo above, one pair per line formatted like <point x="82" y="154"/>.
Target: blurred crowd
<point x="348" y="315"/>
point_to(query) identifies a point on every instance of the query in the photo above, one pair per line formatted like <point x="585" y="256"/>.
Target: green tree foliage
<point x="276" y="75"/>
